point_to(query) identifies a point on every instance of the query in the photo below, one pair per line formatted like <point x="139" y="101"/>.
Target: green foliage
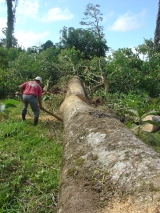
<point x="27" y="66"/>
<point x="68" y="62"/>
<point x="135" y="71"/>
<point x="151" y="139"/>
<point x="123" y="70"/>
<point x="4" y="112"/>
<point x="9" y="82"/>
<point x="150" y="68"/>
<point x="132" y="109"/>
<point x="6" y="56"/>
<point x="139" y="115"/>
<point x="3" y="58"/>
<point x="46" y="45"/>
<point x="121" y="103"/>
<point x="8" y="77"/>
<point x="10" y="103"/>
<point x="85" y="41"/>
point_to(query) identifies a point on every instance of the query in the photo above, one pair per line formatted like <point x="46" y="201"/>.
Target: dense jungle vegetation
<point x="127" y="80"/>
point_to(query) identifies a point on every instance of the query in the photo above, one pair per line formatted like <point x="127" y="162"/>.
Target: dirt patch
<point x="47" y="118"/>
<point x="131" y="207"/>
<point x="43" y="117"/>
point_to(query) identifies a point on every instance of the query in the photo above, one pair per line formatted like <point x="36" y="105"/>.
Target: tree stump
<point x="150" y="127"/>
<point x="106" y="168"/>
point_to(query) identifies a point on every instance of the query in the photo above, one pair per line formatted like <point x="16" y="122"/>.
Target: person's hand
<point x="41" y="107"/>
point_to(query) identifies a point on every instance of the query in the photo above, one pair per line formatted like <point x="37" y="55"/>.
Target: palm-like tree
<point x="10" y="22"/>
<point x="157" y="30"/>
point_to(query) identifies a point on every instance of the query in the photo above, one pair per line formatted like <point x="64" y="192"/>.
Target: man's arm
<point x="21" y="89"/>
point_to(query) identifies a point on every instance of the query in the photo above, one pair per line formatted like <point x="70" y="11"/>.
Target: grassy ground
<point x="30" y="160"/>
<point x="155" y="144"/>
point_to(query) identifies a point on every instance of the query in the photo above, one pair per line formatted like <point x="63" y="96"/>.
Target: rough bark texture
<point x="106" y="168"/>
<point x="157" y="30"/>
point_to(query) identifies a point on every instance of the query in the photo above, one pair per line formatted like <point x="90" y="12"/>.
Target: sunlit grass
<point x="30" y="161"/>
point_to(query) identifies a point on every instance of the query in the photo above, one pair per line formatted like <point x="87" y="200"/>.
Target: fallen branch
<point x="60" y="119"/>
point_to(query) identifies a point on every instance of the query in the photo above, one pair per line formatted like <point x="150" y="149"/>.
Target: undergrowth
<point x="30" y="161"/>
<point x="131" y="109"/>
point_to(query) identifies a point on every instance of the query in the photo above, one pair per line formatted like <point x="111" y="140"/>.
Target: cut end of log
<point x="150" y="127"/>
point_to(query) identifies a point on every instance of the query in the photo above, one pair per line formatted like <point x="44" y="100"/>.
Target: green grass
<point x="155" y="144"/>
<point x="30" y="161"/>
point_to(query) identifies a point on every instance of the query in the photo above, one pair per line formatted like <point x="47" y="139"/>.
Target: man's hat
<point x="38" y="79"/>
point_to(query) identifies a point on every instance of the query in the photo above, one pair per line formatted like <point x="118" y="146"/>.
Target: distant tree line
<point x="83" y="52"/>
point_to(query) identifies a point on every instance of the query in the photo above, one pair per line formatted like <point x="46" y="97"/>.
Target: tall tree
<point x="84" y="40"/>
<point x="92" y="12"/>
<point x="46" y="45"/>
<point x="11" y="9"/>
<point x="157" y="30"/>
<point x="3" y="41"/>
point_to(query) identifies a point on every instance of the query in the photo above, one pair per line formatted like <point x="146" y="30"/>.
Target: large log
<point x="106" y="168"/>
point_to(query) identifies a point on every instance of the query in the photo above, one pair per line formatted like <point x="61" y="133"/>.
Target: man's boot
<point x="35" y="121"/>
<point x="23" y="117"/>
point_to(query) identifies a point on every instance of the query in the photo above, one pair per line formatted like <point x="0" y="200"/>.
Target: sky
<point x="126" y="22"/>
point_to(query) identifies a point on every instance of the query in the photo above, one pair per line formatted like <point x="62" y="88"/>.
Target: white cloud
<point x="3" y="7"/>
<point x="56" y="14"/>
<point x="128" y="21"/>
<point x="24" y="9"/>
<point x="108" y="16"/>
<point x="28" y="39"/>
<point x="28" y="8"/>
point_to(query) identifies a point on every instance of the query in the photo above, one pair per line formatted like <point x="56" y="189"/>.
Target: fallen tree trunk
<point x="106" y="168"/>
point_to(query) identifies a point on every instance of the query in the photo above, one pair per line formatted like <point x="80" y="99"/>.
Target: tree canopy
<point x="84" y="41"/>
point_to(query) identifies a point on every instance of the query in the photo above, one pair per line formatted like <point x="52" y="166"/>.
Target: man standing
<point x="32" y="94"/>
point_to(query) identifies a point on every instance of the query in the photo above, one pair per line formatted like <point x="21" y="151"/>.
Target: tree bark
<point x="157" y="30"/>
<point x="10" y="24"/>
<point x="106" y="168"/>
